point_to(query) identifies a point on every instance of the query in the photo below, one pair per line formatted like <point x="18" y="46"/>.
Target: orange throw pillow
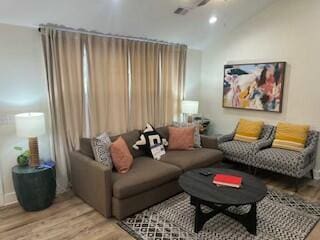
<point x="181" y="138"/>
<point x="121" y="156"/>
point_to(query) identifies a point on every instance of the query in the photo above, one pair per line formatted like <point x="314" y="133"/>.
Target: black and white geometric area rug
<point x="280" y="216"/>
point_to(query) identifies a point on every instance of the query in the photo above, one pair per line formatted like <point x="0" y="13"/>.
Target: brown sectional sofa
<point x="147" y="183"/>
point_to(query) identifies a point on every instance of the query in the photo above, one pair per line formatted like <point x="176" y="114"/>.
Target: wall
<point x="22" y="89"/>
<point x="193" y="75"/>
<point x="285" y="31"/>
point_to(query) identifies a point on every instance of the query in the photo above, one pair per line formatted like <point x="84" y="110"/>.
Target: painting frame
<point x="283" y="65"/>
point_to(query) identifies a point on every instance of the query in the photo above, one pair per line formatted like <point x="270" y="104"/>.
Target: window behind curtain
<point x="154" y="83"/>
<point x="86" y="111"/>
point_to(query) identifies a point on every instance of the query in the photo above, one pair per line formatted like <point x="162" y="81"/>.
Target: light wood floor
<point x="71" y="218"/>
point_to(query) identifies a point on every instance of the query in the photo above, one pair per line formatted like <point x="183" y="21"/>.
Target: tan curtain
<point x="171" y="87"/>
<point x="63" y="61"/>
<point x="144" y="68"/>
<point x="108" y="84"/>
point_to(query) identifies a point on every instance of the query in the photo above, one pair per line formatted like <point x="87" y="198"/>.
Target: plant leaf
<point x="26" y="154"/>
<point x="18" y="148"/>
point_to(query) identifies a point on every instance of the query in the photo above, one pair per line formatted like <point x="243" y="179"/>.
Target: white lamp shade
<point x="190" y="107"/>
<point x="30" y="124"/>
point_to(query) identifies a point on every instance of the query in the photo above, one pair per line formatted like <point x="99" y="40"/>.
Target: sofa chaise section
<point x="197" y="158"/>
<point x="92" y="182"/>
<point x="148" y="181"/>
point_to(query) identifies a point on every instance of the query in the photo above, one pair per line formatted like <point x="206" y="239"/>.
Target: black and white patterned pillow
<point x="148" y="138"/>
<point x="100" y="146"/>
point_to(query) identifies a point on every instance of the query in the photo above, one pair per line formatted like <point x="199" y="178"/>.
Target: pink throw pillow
<point x="181" y="138"/>
<point x="121" y="156"/>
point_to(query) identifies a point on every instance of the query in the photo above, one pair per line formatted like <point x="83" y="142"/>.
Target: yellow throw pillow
<point x="248" y="131"/>
<point x="291" y="136"/>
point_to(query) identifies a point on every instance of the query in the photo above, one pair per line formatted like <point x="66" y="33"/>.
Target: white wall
<point x="22" y="89"/>
<point x="285" y="31"/>
<point x="193" y="75"/>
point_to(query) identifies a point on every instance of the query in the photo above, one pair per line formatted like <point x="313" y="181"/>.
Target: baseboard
<point x="1" y="199"/>
<point x="316" y="174"/>
<point x="10" y="198"/>
<point x="61" y="189"/>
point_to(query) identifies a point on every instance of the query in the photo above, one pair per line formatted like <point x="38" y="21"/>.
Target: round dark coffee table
<point x="219" y="199"/>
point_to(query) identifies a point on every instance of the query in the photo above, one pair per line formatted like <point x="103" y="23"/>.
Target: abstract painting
<point x="257" y="86"/>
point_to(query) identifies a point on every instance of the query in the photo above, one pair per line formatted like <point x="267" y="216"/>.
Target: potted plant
<point x="23" y="157"/>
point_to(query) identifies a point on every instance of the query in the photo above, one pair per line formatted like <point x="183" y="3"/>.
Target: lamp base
<point x="188" y="118"/>
<point x="34" y="152"/>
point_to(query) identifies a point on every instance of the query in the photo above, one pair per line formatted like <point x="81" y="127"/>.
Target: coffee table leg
<point x="251" y="220"/>
<point x="198" y="221"/>
<point x="200" y="217"/>
<point x="248" y="220"/>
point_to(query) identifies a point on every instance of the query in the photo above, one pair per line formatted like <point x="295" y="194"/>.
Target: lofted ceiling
<point x="139" y="18"/>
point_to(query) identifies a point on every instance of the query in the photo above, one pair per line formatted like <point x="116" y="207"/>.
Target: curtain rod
<point x="96" y="33"/>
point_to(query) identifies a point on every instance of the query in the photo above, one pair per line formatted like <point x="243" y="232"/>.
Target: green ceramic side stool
<point x="35" y="187"/>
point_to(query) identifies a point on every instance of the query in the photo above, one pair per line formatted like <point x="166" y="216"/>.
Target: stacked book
<point x="227" y="180"/>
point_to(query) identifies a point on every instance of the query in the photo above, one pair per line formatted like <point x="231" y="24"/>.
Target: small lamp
<point x="189" y="108"/>
<point x="31" y="125"/>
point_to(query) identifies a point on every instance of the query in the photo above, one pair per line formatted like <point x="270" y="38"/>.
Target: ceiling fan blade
<point x="185" y="10"/>
<point x="181" y="11"/>
<point x="203" y="2"/>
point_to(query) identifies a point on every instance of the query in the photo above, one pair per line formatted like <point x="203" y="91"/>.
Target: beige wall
<point x="22" y="89"/>
<point x="286" y="31"/>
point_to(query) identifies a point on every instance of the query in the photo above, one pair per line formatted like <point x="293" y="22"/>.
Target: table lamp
<point x="189" y="108"/>
<point x="31" y="125"/>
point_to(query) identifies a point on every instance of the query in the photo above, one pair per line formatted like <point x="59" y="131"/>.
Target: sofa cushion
<point x="278" y="160"/>
<point x="86" y="148"/>
<point x="144" y="175"/>
<point x="248" y="131"/>
<point x="121" y="156"/>
<point x="196" y="125"/>
<point x="101" y="149"/>
<point x="197" y="158"/>
<point x="236" y="150"/>
<point x="291" y="136"/>
<point x="181" y="138"/>
<point x="164" y="131"/>
<point x="149" y="137"/>
<point x="130" y="138"/>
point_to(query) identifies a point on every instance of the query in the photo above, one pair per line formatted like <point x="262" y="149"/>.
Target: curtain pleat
<point x="63" y="61"/>
<point x="144" y="68"/>
<point x="108" y="84"/>
<point x="171" y="84"/>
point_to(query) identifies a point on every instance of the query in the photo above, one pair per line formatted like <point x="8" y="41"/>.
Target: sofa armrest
<point x="209" y="142"/>
<point x="226" y="138"/>
<point x="308" y="156"/>
<point x="261" y="144"/>
<point x="92" y="182"/>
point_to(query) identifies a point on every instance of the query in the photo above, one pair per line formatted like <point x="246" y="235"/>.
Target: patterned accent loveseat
<point x="260" y="154"/>
<point x="240" y="151"/>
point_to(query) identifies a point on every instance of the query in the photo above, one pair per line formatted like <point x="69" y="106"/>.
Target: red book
<point x="227" y="180"/>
